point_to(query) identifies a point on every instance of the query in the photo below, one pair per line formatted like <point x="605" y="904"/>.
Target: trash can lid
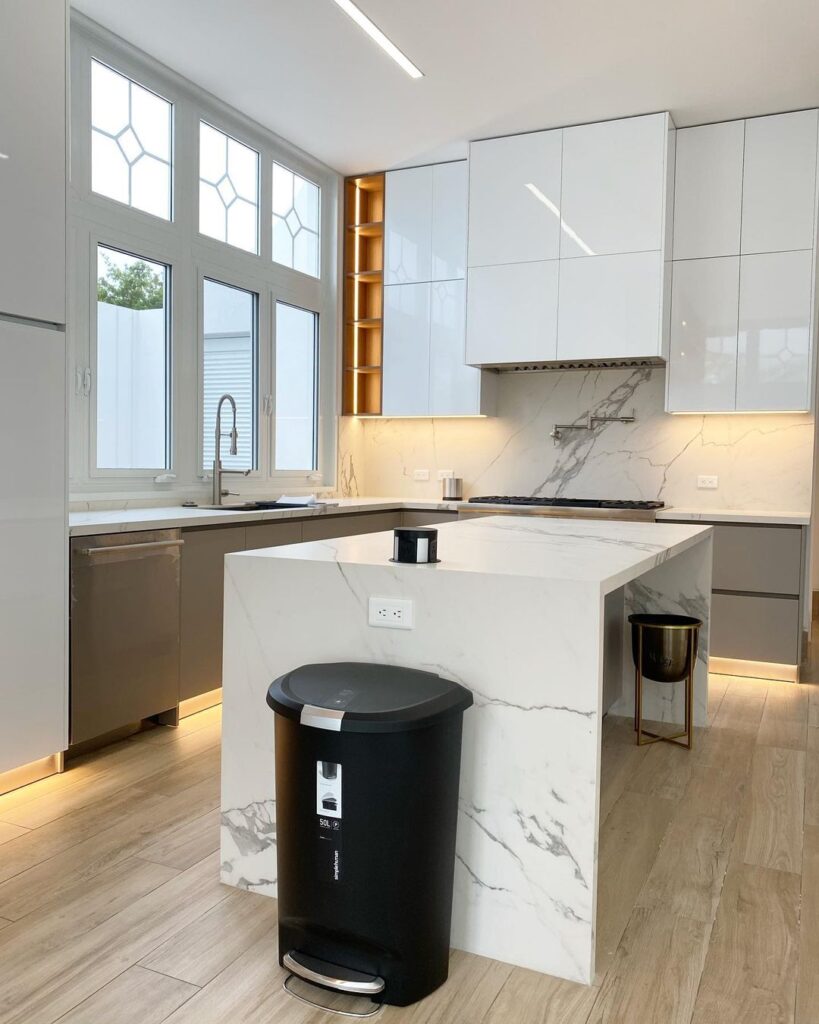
<point x="363" y="697"/>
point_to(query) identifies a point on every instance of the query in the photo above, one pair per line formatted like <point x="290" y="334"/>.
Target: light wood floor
<point x="111" y="911"/>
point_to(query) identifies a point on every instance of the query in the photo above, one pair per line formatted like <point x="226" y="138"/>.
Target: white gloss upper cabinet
<point x="448" y="230"/>
<point x="708" y="190"/>
<point x="613" y="196"/>
<point x="775" y="324"/>
<point x="610" y="307"/>
<point x="514" y="199"/>
<point x="454" y="387"/>
<point x="408" y="226"/>
<point x="33" y="543"/>
<point x="32" y="167"/>
<point x="406" y="350"/>
<point x="511" y="313"/>
<point x="703" y="361"/>
<point x="779" y="183"/>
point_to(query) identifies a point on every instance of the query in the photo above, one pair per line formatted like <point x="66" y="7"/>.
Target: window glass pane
<point x="295" y="221"/>
<point x="229" y="368"/>
<point x="296" y="386"/>
<point x="130" y="142"/>
<point x="132" y="362"/>
<point x="228" y="189"/>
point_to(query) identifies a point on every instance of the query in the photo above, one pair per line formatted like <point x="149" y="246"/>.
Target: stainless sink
<point x="254" y="506"/>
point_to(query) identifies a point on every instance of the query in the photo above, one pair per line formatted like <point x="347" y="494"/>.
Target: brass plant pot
<point x="664" y="648"/>
<point x="667" y="646"/>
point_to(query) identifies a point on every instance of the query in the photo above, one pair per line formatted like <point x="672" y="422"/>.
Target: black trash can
<point x="367" y="770"/>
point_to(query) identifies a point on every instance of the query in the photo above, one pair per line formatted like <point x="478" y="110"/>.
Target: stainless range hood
<point x="579" y="364"/>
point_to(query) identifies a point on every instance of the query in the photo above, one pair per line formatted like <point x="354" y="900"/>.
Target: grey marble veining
<point x="764" y="462"/>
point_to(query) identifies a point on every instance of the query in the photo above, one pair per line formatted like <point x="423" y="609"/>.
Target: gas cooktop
<point x="592" y="508"/>
<point x="505" y="499"/>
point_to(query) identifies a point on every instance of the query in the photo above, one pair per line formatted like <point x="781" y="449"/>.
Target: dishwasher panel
<point x="124" y="629"/>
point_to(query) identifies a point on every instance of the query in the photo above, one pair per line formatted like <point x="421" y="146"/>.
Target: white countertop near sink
<point x="735" y="515"/>
<point x="84" y="524"/>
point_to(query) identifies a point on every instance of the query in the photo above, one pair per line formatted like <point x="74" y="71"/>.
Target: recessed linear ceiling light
<point x="375" y="33"/>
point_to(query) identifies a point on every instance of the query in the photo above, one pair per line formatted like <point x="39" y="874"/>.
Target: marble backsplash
<point x="763" y="462"/>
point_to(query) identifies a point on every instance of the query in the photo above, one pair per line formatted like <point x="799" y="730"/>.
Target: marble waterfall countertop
<point x="606" y="552"/>
<point x="735" y="515"/>
<point x="530" y="615"/>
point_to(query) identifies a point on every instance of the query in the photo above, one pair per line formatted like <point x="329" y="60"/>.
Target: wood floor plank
<point x="770" y="829"/>
<point x="185" y="845"/>
<point x="137" y="996"/>
<point x="79" y="910"/>
<point x="812" y="780"/>
<point x="620" y="759"/>
<point x="38" y="845"/>
<point x="528" y="997"/>
<point x="209" y="945"/>
<point x="717" y="688"/>
<point x="30" y="889"/>
<point x="785" y="717"/>
<point x="9" y="832"/>
<point x="655" y="974"/>
<point x="39" y="990"/>
<point x="664" y="772"/>
<point x="126" y="759"/>
<point x="628" y="847"/>
<point x="473" y="986"/>
<point x="751" y="968"/>
<point x="742" y="706"/>
<point x="246" y="992"/>
<point x="144" y="765"/>
<point x="687" y="876"/>
<point x="807" y="987"/>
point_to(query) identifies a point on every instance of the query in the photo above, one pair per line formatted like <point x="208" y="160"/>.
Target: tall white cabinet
<point x="567" y="244"/>
<point x="424" y="369"/>
<point x="745" y="227"/>
<point x="33" y="530"/>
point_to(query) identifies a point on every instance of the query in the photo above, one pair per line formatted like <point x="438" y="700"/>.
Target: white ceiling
<point x="304" y="70"/>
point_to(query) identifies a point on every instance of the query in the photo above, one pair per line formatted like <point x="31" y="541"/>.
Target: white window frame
<point x="207" y="271"/>
<point x="95" y="220"/>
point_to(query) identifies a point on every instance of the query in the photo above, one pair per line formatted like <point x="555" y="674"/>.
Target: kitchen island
<point x="530" y="615"/>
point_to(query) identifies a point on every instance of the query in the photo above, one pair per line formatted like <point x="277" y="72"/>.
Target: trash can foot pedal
<point x="331" y="976"/>
<point x="341" y="979"/>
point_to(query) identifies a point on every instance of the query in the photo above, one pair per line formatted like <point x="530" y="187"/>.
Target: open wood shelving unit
<point x="363" y="295"/>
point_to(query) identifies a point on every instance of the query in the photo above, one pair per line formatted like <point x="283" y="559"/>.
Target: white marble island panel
<point x="528" y="614"/>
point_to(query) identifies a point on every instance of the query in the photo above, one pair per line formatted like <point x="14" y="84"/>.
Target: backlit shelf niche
<point x="363" y="294"/>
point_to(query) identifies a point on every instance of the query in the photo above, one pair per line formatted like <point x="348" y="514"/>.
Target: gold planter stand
<point x="664" y="648"/>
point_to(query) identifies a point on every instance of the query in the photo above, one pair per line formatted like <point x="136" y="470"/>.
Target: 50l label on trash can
<point x="328" y="809"/>
<point x="329" y="840"/>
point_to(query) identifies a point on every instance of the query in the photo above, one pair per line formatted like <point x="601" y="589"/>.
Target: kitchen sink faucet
<point x="233" y="434"/>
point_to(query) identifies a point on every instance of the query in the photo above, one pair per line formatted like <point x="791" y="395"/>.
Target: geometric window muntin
<point x="296" y="209"/>
<point x="131" y="142"/>
<point x="228" y="189"/>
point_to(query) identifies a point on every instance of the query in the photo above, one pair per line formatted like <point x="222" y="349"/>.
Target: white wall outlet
<point x="707" y="483"/>
<point x="420" y="475"/>
<point x="446" y="474"/>
<point x="391" y="613"/>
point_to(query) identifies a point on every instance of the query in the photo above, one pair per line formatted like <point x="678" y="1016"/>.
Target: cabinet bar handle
<point x="133" y="547"/>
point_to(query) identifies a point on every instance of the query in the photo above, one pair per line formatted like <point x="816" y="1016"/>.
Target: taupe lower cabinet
<point x="418" y="517"/>
<point x="756" y="609"/>
<point x="203" y="567"/>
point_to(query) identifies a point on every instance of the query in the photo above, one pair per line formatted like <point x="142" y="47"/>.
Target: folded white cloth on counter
<point x="293" y="499"/>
